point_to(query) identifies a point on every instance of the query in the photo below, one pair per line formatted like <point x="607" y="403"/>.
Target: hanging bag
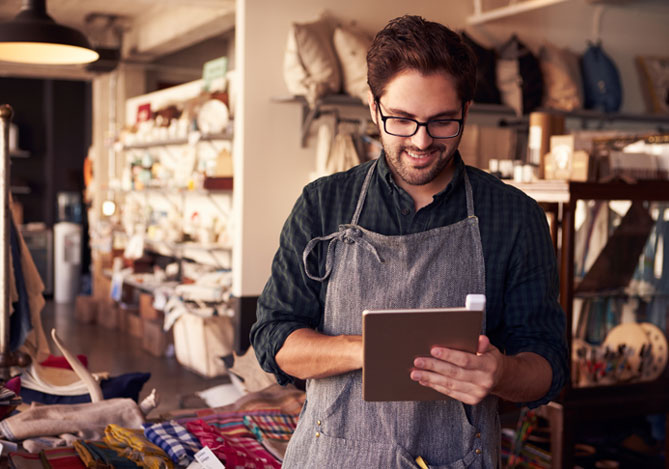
<point x="601" y="80"/>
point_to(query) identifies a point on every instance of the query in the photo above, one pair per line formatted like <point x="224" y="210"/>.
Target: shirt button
<point x="478" y="451"/>
<point x="478" y="435"/>
<point x="405" y="211"/>
<point x="318" y="422"/>
<point x="319" y="434"/>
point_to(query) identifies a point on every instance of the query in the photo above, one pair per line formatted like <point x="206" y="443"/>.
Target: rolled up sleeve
<point x="290" y="300"/>
<point x="534" y="320"/>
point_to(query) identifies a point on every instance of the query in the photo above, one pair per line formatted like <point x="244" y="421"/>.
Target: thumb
<point x="484" y="345"/>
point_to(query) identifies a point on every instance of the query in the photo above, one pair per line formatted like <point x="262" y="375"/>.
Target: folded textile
<point x="54" y="380"/>
<point x="174" y="439"/>
<point x="61" y="458"/>
<point x="134" y="445"/>
<point x="126" y="385"/>
<point x="19" y="460"/>
<point x="97" y="455"/>
<point x="233" y="444"/>
<point x="9" y="401"/>
<point x="288" y="399"/>
<point x="88" y="457"/>
<point x="77" y="418"/>
<point x="272" y="425"/>
<point x="55" y="361"/>
<point x="37" y="444"/>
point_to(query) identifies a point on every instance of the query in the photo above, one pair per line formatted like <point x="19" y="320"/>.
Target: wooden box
<point x="155" y="340"/>
<point x="134" y="324"/>
<point x="108" y="314"/>
<point x="86" y="309"/>
<point x="146" y="309"/>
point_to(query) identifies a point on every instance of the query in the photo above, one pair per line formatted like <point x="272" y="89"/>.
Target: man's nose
<point x="421" y="139"/>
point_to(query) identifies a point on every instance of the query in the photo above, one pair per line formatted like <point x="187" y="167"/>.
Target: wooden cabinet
<point x="613" y="247"/>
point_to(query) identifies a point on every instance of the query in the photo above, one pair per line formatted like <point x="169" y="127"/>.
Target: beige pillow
<point x="561" y="88"/>
<point x="351" y="47"/>
<point x="310" y="64"/>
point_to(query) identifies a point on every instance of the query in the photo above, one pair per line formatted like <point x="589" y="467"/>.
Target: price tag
<point x="208" y="459"/>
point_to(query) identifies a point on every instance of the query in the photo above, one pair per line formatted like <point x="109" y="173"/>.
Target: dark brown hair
<point x="413" y="43"/>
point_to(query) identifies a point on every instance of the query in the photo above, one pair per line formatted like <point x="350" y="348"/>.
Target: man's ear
<point x="372" y="105"/>
<point x="465" y="111"/>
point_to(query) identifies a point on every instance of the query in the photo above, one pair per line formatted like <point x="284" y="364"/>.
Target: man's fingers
<point x="484" y="344"/>
<point x="466" y="392"/>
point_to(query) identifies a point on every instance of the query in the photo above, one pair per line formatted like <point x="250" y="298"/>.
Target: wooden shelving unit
<point x="583" y="404"/>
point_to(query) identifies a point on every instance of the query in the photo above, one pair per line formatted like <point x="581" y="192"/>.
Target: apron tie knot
<point x="349" y="234"/>
<point x="353" y="234"/>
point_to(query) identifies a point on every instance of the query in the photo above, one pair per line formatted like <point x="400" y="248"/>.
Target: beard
<point x="412" y="171"/>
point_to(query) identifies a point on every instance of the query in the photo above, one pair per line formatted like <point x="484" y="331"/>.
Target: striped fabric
<point x="134" y="445"/>
<point x="232" y="442"/>
<point x="275" y="425"/>
<point x="174" y="439"/>
<point x="61" y="458"/>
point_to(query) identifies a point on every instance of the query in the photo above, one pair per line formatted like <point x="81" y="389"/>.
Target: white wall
<point x="270" y="166"/>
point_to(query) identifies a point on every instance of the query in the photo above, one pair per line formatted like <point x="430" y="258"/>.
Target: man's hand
<point x="470" y="377"/>
<point x="461" y="375"/>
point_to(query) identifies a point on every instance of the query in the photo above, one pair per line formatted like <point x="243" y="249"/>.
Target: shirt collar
<point x="387" y="178"/>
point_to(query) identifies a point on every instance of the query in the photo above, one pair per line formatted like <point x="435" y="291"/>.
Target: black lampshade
<point x="34" y="37"/>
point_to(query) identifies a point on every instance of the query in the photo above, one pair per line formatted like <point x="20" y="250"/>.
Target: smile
<point x="420" y="155"/>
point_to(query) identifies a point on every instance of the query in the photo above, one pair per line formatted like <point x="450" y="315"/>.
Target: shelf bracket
<point x="308" y="118"/>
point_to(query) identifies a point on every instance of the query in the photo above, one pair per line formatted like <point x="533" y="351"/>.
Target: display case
<point x="615" y="293"/>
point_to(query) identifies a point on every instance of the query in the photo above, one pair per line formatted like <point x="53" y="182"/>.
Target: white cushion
<point x="351" y="47"/>
<point x="311" y="68"/>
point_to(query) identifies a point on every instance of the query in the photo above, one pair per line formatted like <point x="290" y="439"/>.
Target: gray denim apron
<point x="367" y="270"/>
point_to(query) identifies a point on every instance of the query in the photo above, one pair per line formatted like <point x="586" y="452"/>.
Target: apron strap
<point x="328" y="258"/>
<point x="363" y="193"/>
<point x="469" y="195"/>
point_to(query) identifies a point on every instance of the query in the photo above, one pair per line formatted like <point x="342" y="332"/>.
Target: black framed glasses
<point x="407" y="127"/>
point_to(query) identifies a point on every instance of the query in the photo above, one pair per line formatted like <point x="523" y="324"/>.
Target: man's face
<point x="419" y="160"/>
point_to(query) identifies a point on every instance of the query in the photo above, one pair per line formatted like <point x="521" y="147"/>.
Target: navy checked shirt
<point x="523" y="313"/>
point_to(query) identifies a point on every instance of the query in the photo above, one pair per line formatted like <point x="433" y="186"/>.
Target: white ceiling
<point x="74" y="12"/>
<point x="147" y="29"/>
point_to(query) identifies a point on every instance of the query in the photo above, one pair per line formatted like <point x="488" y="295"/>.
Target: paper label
<point x="208" y="459"/>
<point x="214" y="69"/>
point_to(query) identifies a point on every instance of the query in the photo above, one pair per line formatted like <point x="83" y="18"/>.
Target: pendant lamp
<point x="33" y="37"/>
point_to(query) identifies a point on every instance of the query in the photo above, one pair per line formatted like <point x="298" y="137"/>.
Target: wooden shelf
<point x="329" y="103"/>
<point x="208" y="254"/>
<point x="544" y="190"/>
<point x="191" y="139"/>
<point x="211" y="184"/>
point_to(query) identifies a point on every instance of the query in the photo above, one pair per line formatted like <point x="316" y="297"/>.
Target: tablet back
<point x="393" y="338"/>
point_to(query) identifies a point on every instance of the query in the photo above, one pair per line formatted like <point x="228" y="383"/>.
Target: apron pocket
<point x="332" y="395"/>
<point x="338" y="452"/>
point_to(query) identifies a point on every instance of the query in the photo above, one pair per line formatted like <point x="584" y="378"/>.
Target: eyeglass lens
<point x="402" y="127"/>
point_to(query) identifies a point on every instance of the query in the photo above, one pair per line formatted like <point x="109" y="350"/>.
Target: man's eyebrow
<point x="442" y="115"/>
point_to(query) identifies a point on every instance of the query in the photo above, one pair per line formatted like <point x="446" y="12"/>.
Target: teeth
<point x="418" y="155"/>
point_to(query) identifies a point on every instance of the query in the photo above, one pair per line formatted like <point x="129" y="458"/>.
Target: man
<point x="415" y="228"/>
